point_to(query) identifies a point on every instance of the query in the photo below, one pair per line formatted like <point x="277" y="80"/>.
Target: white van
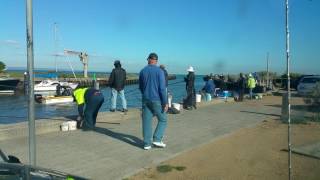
<point x="307" y="84"/>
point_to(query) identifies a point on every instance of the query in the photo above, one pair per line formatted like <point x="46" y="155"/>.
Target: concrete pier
<point x="113" y="150"/>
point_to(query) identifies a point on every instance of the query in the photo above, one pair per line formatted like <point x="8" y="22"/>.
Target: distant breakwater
<point x="89" y="82"/>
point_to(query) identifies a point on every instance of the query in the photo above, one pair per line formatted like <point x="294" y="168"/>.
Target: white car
<point x="307" y="84"/>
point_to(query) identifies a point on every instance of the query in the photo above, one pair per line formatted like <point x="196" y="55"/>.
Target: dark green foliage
<point x="180" y="168"/>
<point x="2" y="66"/>
<point x="164" y="168"/>
<point x="168" y="168"/>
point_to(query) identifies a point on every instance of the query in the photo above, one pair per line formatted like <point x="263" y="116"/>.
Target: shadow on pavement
<point x="306" y="108"/>
<point x="267" y="114"/>
<point x="132" y="140"/>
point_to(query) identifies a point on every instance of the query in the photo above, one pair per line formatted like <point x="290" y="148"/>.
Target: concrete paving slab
<point x="310" y="150"/>
<point x="113" y="151"/>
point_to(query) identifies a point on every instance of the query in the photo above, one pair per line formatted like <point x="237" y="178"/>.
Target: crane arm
<point x="71" y="52"/>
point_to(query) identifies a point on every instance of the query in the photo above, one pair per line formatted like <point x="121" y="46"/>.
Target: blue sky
<point x="218" y="36"/>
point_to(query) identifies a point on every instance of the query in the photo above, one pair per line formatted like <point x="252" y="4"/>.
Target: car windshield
<point x="310" y="80"/>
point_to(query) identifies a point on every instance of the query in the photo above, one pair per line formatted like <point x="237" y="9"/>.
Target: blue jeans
<point x="250" y="92"/>
<point x="150" y="109"/>
<point x="94" y="100"/>
<point x="114" y="94"/>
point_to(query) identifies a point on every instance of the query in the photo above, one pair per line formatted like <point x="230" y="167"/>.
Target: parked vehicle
<point x="307" y="84"/>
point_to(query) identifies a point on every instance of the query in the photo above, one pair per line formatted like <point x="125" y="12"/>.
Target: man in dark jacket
<point x="116" y="82"/>
<point x="190" y="100"/>
<point x="241" y="86"/>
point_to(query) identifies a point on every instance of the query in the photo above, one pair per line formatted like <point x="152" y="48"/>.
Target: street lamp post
<point x="288" y="88"/>
<point x="32" y="136"/>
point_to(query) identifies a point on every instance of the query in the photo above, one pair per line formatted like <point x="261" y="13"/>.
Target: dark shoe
<point x="124" y="110"/>
<point x="87" y="128"/>
<point x="188" y="108"/>
<point x="112" y="110"/>
<point x="79" y="124"/>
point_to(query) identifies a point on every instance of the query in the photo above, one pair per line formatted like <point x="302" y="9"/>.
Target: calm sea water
<point x="14" y="108"/>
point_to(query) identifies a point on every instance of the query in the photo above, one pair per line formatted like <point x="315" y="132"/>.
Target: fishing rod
<point x="132" y="90"/>
<point x="175" y="83"/>
<point x="170" y="84"/>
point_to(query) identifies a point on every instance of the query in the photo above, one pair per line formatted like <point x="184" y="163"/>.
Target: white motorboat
<point x="54" y="99"/>
<point x="51" y="85"/>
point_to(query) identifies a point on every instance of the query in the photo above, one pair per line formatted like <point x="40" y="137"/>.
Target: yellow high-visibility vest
<point x="79" y="95"/>
<point x="251" y="83"/>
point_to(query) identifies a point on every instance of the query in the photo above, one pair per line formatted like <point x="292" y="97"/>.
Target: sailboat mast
<point x="55" y="48"/>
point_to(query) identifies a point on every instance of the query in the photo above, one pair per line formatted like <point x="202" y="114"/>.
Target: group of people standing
<point x="243" y="83"/>
<point x="215" y="85"/>
<point x="153" y="82"/>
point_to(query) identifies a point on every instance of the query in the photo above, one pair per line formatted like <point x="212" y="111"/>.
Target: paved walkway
<point x="113" y="151"/>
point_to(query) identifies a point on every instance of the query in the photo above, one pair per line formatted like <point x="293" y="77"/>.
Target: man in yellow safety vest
<point x="89" y="101"/>
<point x="251" y="84"/>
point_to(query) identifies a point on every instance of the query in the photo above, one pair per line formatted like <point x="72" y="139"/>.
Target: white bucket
<point x="64" y="126"/>
<point x="198" y="98"/>
<point x="169" y="101"/>
<point x="72" y="125"/>
<point x="177" y="106"/>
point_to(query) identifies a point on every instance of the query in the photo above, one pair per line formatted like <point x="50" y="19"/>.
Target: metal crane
<point x="83" y="58"/>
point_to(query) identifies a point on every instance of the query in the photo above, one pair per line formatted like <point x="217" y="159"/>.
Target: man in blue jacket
<point x="154" y="102"/>
<point x="209" y="88"/>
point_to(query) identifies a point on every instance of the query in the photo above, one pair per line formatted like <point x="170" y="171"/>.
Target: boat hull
<point x="8" y="84"/>
<point x="54" y="99"/>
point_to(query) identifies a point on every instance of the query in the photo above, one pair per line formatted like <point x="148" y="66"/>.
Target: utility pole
<point x="32" y="136"/>
<point x="288" y="88"/>
<point x="268" y="77"/>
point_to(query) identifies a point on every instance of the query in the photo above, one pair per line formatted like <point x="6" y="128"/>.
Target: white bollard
<point x="169" y="100"/>
<point x="198" y="98"/>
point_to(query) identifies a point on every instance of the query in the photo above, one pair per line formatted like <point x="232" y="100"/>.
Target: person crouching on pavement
<point x="89" y="101"/>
